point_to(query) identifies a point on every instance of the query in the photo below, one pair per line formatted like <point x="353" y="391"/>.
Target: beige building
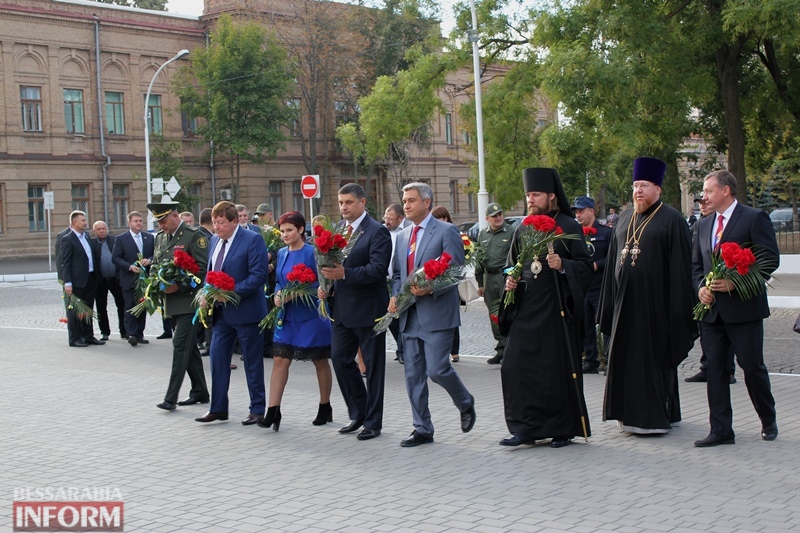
<point x="73" y="80"/>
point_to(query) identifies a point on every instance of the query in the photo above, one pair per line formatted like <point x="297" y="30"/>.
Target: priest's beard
<point x="538" y="210"/>
<point x="642" y="205"/>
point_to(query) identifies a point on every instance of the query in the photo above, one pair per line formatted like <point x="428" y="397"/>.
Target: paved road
<point x="87" y="418"/>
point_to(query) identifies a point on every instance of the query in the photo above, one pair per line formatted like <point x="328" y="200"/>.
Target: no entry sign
<point x="309" y="186"/>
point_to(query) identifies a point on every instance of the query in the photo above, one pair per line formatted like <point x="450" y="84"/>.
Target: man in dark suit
<point x="597" y="237"/>
<point x="125" y="254"/>
<point x="107" y="282"/>
<point x="80" y="259"/>
<point x="178" y="303"/>
<point x="60" y="236"/>
<point x="359" y="297"/>
<point x="427" y="326"/>
<point x="733" y="321"/>
<point x="241" y="254"/>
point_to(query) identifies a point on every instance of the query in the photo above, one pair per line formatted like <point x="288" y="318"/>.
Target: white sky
<point x="195" y="7"/>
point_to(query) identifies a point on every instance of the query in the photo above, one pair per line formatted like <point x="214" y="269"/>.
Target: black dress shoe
<point x="143" y="341"/>
<point x="700" y="377"/>
<point x="133" y="340"/>
<point x="124" y="336"/>
<point x="495" y="360"/>
<point x="92" y="340"/>
<point x="589" y="369"/>
<point x="367" y="434"/>
<point x="165" y="405"/>
<point x="252" y="419"/>
<point x="468" y="419"/>
<point x="714" y="440"/>
<point x="415" y="439"/>
<point x="559" y="442"/>
<point x="104" y="337"/>
<point x="164" y="336"/>
<point x="517" y="440"/>
<point x="210" y="417"/>
<point x="769" y="431"/>
<point x="352" y="426"/>
<point x="192" y="401"/>
<point x="78" y="344"/>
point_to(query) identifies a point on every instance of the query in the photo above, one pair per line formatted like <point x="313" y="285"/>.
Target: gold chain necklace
<point x="633" y="237"/>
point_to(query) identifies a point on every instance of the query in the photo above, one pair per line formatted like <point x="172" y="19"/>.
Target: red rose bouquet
<point x="588" y="233"/>
<point x="743" y="267"/>
<point x="301" y="286"/>
<point x="536" y="233"/>
<point x="219" y="287"/>
<point x="436" y="274"/>
<point x="182" y="269"/>
<point x="331" y="247"/>
<point x="77" y="306"/>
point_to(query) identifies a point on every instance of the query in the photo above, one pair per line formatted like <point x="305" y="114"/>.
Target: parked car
<point x="782" y="219"/>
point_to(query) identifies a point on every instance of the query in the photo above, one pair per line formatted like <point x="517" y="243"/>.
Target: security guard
<point x="494" y="242"/>
<point x="176" y="235"/>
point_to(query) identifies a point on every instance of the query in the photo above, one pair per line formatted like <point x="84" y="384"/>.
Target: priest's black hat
<point x="546" y="180"/>
<point x="649" y="169"/>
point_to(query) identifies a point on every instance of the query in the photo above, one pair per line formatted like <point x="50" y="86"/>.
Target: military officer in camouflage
<point x="494" y="242"/>
<point x="174" y="235"/>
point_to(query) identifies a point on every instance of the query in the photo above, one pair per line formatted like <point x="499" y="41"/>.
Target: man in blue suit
<point x="240" y="254"/>
<point x="733" y="321"/>
<point x="427" y="326"/>
<point x="125" y="254"/>
<point x="359" y="297"/>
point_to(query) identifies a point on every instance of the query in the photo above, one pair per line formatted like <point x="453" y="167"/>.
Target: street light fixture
<point x="483" y="194"/>
<point x="182" y="53"/>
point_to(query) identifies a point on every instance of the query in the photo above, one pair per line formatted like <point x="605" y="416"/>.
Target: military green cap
<point x="263" y="209"/>
<point x="492" y="209"/>
<point x="162" y="209"/>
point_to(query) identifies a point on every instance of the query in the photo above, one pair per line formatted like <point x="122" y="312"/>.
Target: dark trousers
<point x="186" y="360"/>
<point x="747" y="341"/>
<point x="456" y="342"/>
<point x="394" y="327"/>
<point x="704" y="357"/>
<point x="134" y="325"/>
<point x="221" y="351"/>
<point x="590" y="304"/>
<point x="493" y="285"/>
<point x="104" y="286"/>
<point x="79" y="329"/>
<point x="364" y="402"/>
<point x="166" y="323"/>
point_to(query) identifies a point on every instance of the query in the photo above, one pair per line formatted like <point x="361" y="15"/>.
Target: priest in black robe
<point x="646" y="308"/>
<point x="541" y="377"/>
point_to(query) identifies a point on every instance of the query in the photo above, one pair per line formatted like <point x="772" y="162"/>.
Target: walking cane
<point x="569" y="347"/>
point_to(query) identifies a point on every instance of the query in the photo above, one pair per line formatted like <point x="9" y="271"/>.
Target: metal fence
<point x="788" y="241"/>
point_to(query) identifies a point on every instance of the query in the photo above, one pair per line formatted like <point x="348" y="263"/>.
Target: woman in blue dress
<point x="304" y="335"/>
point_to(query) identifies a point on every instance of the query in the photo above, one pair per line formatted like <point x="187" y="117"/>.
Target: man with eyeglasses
<point x="494" y="242"/>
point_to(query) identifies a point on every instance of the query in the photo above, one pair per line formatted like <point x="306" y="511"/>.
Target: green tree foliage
<point x="157" y="5"/>
<point x="239" y="85"/>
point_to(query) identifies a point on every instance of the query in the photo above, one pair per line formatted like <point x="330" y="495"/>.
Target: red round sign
<point x="309" y="186"/>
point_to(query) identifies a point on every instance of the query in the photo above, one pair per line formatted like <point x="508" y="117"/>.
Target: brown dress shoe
<point x="252" y="419"/>
<point x="210" y="417"/>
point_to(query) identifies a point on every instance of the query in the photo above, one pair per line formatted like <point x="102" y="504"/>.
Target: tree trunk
<point x="728" y="58"/>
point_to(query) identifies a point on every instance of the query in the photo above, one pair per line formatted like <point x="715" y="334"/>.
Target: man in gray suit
<point x="427" y="326"/>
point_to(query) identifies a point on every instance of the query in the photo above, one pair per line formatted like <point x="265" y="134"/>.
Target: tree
<point x="157" y="5"/>
<point x="239" y="85"/>
<point x="167" y="164"/>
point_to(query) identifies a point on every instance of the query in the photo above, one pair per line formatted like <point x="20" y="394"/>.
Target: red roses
<point x="541" y="223"/>
<point x="737" y="257"/>
<point x="186" y="262"/>
<point x="301" y="274"/>
<point x="588" y="231"/>
<point x="220" y="280"/>
<point x="326" y="240"/>
<point x="436" y="267"/>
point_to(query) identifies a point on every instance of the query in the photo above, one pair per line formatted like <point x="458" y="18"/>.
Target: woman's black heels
<point x="324" y="415"/>
<point x="272" y="418"/>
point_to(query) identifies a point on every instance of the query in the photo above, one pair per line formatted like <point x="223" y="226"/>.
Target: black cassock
<point x="541" y="397"/>
<point x="647" y="310"/>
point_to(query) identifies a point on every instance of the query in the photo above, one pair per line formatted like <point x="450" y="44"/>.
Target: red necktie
<point x="349" y="232"/>
<point x="718" y="234"/>
<point x="412" y="246"/>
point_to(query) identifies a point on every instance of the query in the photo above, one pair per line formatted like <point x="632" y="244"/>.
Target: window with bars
<point x="80" y="197"/>
<point x="448" y="128"/>
<point x="276" y="198"/>
<point x="73" y="110"/>
<point x="31" y="102"/>
<point x="189" y="125"/>
<point x="453" y="197"/>
<point x="115" y="113"/>
<point x="36" y="215"/>
<point x="472" y="204"/>
<point x="121" y="194"/>
<point x="466" y="137"/>
<point x="298" y="202"/>
<point x="154" y="117"/>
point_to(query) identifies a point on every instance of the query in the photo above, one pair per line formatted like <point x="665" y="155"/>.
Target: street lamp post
<point x="182" y="53"/>
<point x="483" y="194"/>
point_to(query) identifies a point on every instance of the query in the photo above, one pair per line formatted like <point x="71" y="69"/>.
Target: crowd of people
<point x="637" y="282"/>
